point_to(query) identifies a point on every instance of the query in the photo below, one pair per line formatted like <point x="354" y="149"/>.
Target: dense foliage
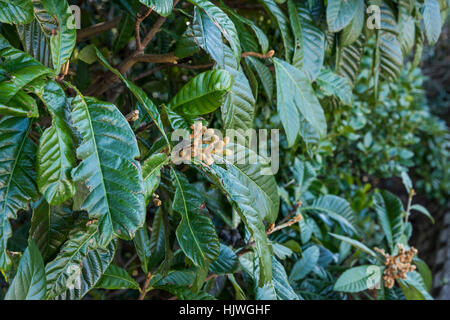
<point x="95" y="200"/>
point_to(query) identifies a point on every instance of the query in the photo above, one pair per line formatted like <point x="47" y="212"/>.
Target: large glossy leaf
<point x="151" y="172"/>
<point x="389" y="210"/>
<point x="16" y="11"/>
<point x="264" y="74"/>
<point x="63" y="40"/>
<point x="17" y="177"/>
<point x="358" y="278"/>
<point x="406" y="24"/>
<point x="108" y="168"/>
<point x="302" y="267"/>
<point x="55" y="158"/>
<point x="203" y="94"/>
<point x="50" y="227"/>
<point x="334" y="85"/>
<point x="336" y="208"/>
<point x="163" y="7"/>
<point x="353" y="30"/>
<point x="116" y="278"/>
<point x="432" y="20"/>
<point x="29" y="281"/>
<point x="350" y="60"/>
<point x="242" y="194"/>
<point x="208" y="36"/>
<point x="20" y="70"/>
<point x="224" y="23"/>
<point x="296" y="96"/>
<point x="283" y="25"/>
<point x="239" y="106"/>
<point x="340" y="13"/>
<point x="140" y="95"/>
<point x="226" y="262"/>
<point x="313" y="43"/>
<point x="390" y="51"/>
<point x="79" y="265"/>
<point x="413" y="287"/>
<point x="277" y="289"/>
<point x="195" y="233"/>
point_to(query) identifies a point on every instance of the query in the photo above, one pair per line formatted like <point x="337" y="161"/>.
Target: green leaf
<point x="336" y="208"/>
<point x="302" y="267"/>
<point x="208" y="36"/>
<point x="116" y="278"/>
<point x="350" y="60"/>
<point x="389" y="210"/>
<point x="295" y="97"/>
<point x="355" y="243"/>
<point x="297" y="59"/>
<point x="304" y="174"/>
<point x="223" y="22"/>
<point x="313" y="43"/>
<point x="203" y="94"/>
<point x="108" y="168"/>
<point x="151" y="172"/>
<point x="29" y="281"/>
<point x="413" y="287"/>
<point x="424" y="272"/>
<point x="283" y="25"/>
<point x="195" y="233"/>
<point x="55" y="157"/>
<point x="334" y="85"/>
<point x="240" y="191"/>
<point x="16" y="11"/>
<point x="279" y="287"/>
<point x="140" y="95"/>
<point x="238" y="108"/>
<point x="50" y="227"/>
<point x="226" y="262"/>
<point x="17" y="177"/>
<point x="358" y="278"/>
<point x="264" y="75"/>
<point x="408" y="30"/>
<point x="353" y="30"/>
<point x="163" y="7"/>
<point x="432" y="20"/>
<point x="64" y="38"/>
<point x="340" y="13"/>
<point x="142" y="244"/>
<point x="422" y="209"/>
<point x="79" y="265"/>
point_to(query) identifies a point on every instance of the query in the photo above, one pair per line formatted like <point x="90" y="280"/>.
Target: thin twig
<point x="137" y="27"/>
<point x="145" y="286"/>
<point x="87" y="33"/>
<point x="267" y="55"/>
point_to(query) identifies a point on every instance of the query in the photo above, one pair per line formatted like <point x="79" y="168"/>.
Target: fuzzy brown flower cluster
<point x="205" y="144"/>
<point x="397" y="266"/>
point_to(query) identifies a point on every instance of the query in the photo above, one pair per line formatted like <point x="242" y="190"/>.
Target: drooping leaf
<point x="340" y="13"/>
<point x="108" y="168"/>
<point x="304" y="174"/>
<point x="355" y="243"/>
<point x="224" y="23"/>
<point x="29" y="282"/>
<point x="264" y="75"/>
<point x="142" y="243"/>
<point x="195" y="233"/>
<point x="17" y="176"/>
<point x="350" y="60"/>
<point x="151" y="173"/>
<point x="79" y="265"/>
<point x="163" y="7"/>
<point x="226" y="262"/>
<point x="16" y="11"/>
<point x="50" y="227"/>
<point x="389" y="210"/>
<point x="203" y="94"/>
<point x="302" y="267"/>
<point x="353" y="30"/>
<point x="358" y="278"/>
<point x="55" y="158"/>
<point x="334" y="85"/>
<point x="413" y="287"/>
<point x="115" y="278"/>
<point x="423" y="210"/>
<point x="432" y="20"/>
<point x="298" y="56"/>
<point x="283" y="25"/>
<point x="295" y="96"/>
<point x="63" y="39"/>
